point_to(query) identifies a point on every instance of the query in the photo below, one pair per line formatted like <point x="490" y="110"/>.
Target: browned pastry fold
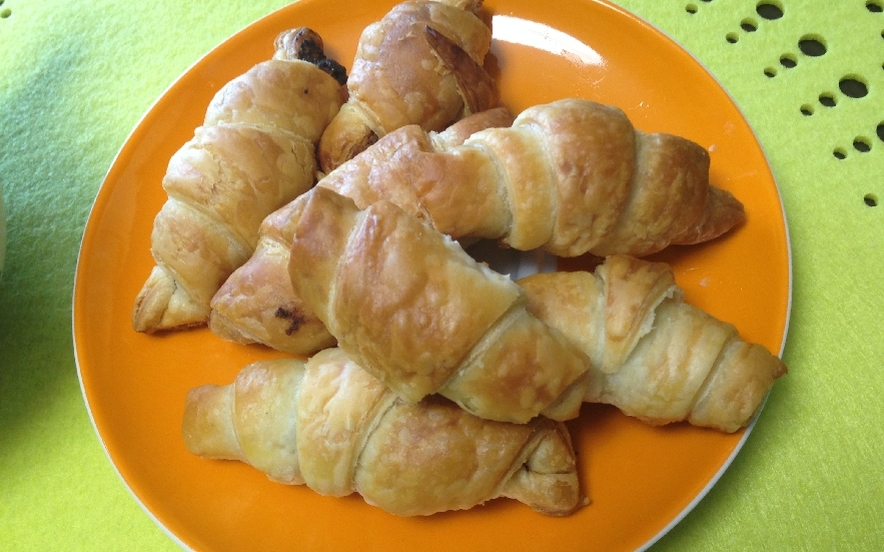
<point x="257" y="305"/>
<point x="654" y="356"/>
<point x="421" y="64"/>
<point x="330" y="425"/>
<point x="421" y="315"/>
<point x="572" y="177"/>
<point x="500" y="182"/>
<point x="254" y="152"/>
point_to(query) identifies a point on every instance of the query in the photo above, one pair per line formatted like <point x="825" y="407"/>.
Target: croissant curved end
<point x="163" y="305"/>
<point x="723" y="213"/>
<point x="548" y="481"/>
<point x="346" y="136"/>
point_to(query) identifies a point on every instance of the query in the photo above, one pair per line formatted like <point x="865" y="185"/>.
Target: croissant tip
<point x="152" y="301"/>
<point x="305" y="44"/>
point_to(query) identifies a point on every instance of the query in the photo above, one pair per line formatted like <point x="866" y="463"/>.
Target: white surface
<point x="516" y="264"/>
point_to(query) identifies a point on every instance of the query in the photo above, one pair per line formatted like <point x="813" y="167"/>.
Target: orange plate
<point x="641" y="479"/>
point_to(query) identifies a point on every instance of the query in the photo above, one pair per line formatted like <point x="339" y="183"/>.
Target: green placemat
<point x="77" y="76"/>
<point x="808" y="76"/>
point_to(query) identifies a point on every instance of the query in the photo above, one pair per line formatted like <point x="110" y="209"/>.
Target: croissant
<point x="254" y="152"/>
<point x="502" y="168"/>
<point x="654" y="356"/>
<point x="413" y="309"/>
<point x="421" y="64"/>
<point x="256" y="303"/>
<point x="572" y="176"/>
<point x="423" y="317"/>
<point x="330" y="425"/>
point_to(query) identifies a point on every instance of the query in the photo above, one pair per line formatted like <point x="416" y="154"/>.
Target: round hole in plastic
<point x="788" y="61"/>
<point x="874" y="6"/>
<point x="749" y="25"/>
<point x="769" y="10"/>
<point x="853" y="86"/>
<point x="839" y="153"/>
<point x="812" y="45"/>
<point x="807" y="110"/>
<point x="862" y="144"/>
<point x="827" y="100"/>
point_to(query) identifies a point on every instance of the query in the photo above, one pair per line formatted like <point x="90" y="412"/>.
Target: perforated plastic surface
<point x="807" y="74"/>
<point x="809" y="77"/>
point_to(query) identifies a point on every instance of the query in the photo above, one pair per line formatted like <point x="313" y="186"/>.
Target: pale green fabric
<point x="811" y="476"/>
<point x="76" y="76"/>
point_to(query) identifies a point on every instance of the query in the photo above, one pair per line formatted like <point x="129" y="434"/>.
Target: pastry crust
<point x="654" y="356"/>
<point x="254" y="153"/>
<point x="330" y="425"/>
<point x="422" y="316"/>
<point x="421" y="64"/>
<point x="491" y="177"/>
<point x="572" y="177"/>
<point x="256" y="303"/>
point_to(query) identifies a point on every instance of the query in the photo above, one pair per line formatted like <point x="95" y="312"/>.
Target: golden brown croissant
<point x="254" y="153"/>
<point x="421" y="64"/>
<point x="330" y="425"/>
<point x="257" y="304"/>
<point x="572" y="177"/>
<point x="422" y="316"/>
<point x="654" y="356"/>
<point x="496" y="183"/>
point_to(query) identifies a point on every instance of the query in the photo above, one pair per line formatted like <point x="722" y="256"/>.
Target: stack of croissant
<point x="324" y="217"/>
